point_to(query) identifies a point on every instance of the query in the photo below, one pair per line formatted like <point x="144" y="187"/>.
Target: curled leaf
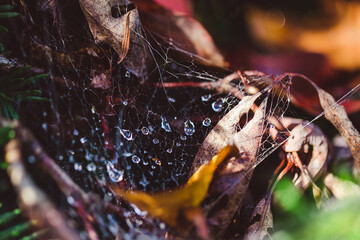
<point x="223" y="131"/>
<point x="337" y="115"/>
<point x="117" y="23"/>
<point x="231" y="181"/>
<point x="181" y="30"/>
<point x="312" y="145"/>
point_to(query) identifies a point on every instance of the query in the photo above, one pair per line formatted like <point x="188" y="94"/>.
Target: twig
<point x="34" y="201"/>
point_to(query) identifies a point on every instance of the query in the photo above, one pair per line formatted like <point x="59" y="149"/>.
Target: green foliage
<point x="12" y="91"/>
<point x="14" y="227"/>
<point x="12" y="84"/>
<point x="5" y="12"/>
<point x="338" y="219"/>
<point x="6" y="133"/>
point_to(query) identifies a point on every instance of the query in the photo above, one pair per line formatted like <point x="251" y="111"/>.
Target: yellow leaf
<point x="171" y="206"/>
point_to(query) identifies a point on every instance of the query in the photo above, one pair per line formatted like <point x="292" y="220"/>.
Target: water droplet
<point x="169" y="150"/>
<point x="178" y="144"/>
<point x="157" y="161"/>
<point x="153" y="166"/>
<point x="165" y="125"/>
<point x="91" y="167"/>
<point x="272" y="126"/>
<point x="114" y="174"/>
<point x="93" y="109"/>
<point x="127" y="154"/>
<point x="125" y="103"/>
<point x="145" y="163"/>
<point x="288" y="100"/>
<point x="218" y="105"/>
<point x="155" y="141"/>
<point x="171" y="99"/>
<point x="206" y="122"/>
<point x="83" y="140"/>
<point x="189" y="128"/>
<point x="31" y="159"/>
<point x="75" y="132"/>
<point x="127" y="74"/>
<point x="44" y="126"/>
<point x="205" y="98"/>
<point x="145" y="130"/>
<point x="70" y="200"/>
<point x="135" y="159"/>
<point x="162" y="226"/>
<point x="183" y="137"/>
<point x="126" y="134"/>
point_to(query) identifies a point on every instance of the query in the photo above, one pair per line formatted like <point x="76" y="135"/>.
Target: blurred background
<point x="317" y="38"/>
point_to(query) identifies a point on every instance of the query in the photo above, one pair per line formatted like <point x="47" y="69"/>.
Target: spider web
<point x="143" y="133"/>
<point x="156" y="125"/>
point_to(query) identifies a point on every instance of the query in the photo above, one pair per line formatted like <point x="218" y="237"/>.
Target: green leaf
<point x="6" y="7"/>
<point x="8" y="14"/>
<point x="36" y="99"/>
<point x="25" y="93"/>
<point x="14" y="74"/>
<point x="14" y="231"/>
<point x="3" y="29"/>
<point x="23" y="82"/>
<point x="288" y="196"/>
<point x="34" y="235"/>
<point x="6" y="133"/>
<point x="3" y="165"/>
<point x="8" y="216"/>
<point x="7" y="110"/>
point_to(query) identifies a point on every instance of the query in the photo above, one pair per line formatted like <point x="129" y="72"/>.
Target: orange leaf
<point x="171" y="206"/>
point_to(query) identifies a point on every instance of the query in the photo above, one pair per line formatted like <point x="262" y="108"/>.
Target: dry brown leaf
<point x="184" y="31"/>
<point x="303" y="138"/>
<point x="259" y="228"/>
<point x="122" y="33"/>
<point x="102" y="80"/>
<point x="341" y="188"/>
<point x="219" y="136"/>
<point x="336" y="114"/>
<point x="173" y="207"/>
<point x="231" y="181"/>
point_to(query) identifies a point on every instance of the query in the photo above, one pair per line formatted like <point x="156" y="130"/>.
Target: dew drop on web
<point x="189" y="128"/>
<point x="218" y="105"/>
<point x="135" y="159"/>
<point x="145" y="131"/>
<point x="127" y="134"/>
<point x="205" y="98"/>
<point x="206" y="122"/>
<point x="91" y="167"/>
<point x="165" y="125"/>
